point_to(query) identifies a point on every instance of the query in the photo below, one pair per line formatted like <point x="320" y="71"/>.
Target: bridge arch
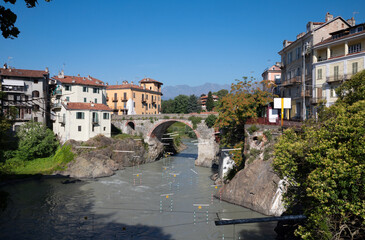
<point x="161" y="127"/>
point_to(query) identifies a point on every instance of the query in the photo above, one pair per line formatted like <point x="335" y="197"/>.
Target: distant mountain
<point x="170" y="92"/>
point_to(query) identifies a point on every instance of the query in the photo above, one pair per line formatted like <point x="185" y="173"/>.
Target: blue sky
<point x="173" y="41"/>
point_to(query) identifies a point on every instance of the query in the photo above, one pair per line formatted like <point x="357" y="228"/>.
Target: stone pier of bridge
<point x="153" y="127"/>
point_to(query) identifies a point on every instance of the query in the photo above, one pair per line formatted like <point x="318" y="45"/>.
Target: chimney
<point x="47" y="70"/>
<point x="351" y="21"/>
<point x="329" y="17"/>
<point x="78" y="75"/>
<point x="310" y="26"/>
<point x="61" y="74"/>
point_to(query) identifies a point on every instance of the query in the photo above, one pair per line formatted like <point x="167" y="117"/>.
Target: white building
<point x="335" y="60"/>
<point x="79" y="108"/>
<point x="82" y="121"/>
<point x="80" y="89"/>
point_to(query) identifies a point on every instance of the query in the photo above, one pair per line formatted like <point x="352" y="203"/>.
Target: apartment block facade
<point x="26" y="93"/>
<point x="297" y="57"/>
<point x="336" y="60"/>
<point x="129" y="98"/>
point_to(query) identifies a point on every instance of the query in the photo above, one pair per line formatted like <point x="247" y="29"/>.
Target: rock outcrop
<point x="256" y="186"/>
<point x="102" y="156"/>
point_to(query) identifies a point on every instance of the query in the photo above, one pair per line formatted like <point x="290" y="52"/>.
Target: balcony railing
<point x="56" y="105"/>
<point x="335" y="78"/>
<point x="307" y="93"/>
<point x="124" y="99"/>
<point x="57" y="92"/>
<point x="95" y="120"/>
<point x="115" y="99"/>
<point x="294" y="80"/>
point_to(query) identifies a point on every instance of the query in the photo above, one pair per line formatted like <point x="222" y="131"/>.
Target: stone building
<point x="26" y="91"/>
<point x="296" y="79"/>
<point x="335" y="60"/>
<point x="129" y="98"/>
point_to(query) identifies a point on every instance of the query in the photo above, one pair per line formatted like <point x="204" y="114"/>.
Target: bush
<point x="268" y="135"/>
<point x="35" y="141"/>
<point x="166" y="117"/>
<point x="210" y="120"/>
<point x="252" y="129"/>
<point x="195" y="121"/>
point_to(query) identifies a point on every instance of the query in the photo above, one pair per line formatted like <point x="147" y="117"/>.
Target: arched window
<point x="35" y="94"/>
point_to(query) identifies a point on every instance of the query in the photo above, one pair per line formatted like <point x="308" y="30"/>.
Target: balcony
<point x="95" y="120"/>
<point x="335" y="78"/>
<point x="124" y="99"/>
<point x="307" y="93"/>
<point x="143" y="100"/>
<point x="15" y="89"/>
<point x="115" y="100"/>
<point x="317" y="100"/>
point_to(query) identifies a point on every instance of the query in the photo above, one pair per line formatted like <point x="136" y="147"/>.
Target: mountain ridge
<point x="170" y="92"/>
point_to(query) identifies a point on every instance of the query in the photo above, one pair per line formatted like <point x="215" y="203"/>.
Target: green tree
<point x="325" y="167"/>
<point x="168" y="106"/>
<point x="193" y="105"/>
<point x="221" y="93"/>
<point x="242" y="103"/>
<point x="210" y="102"/>
<point x="181" y="104"/>
<point x="8" y="18"/>
<point x="4" y="137"/>
<point x="35" y="141"/>
<point x="210" y="120"/>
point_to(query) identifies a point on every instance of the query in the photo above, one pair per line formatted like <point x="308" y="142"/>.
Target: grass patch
<point x="122" y="136"/>
<point x="47" y="165"/>
<point x="252" y="129"/>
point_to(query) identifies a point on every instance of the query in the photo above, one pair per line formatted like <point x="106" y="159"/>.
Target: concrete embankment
<point x="102" y="156"/>
<point x="256" y="186"/>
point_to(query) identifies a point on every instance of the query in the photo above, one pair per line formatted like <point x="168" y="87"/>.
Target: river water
<point x="167" y="199"/>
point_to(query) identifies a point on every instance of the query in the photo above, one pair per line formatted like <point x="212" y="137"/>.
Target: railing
<point x="57" y="92"/>
<point x="115" y="99"/>
<point x="296" y="79"/>
<point x="334" y="78"/>
<point x="124" y="99"/>
<point x="95" y="120"/>
<point x="307" y="93"/>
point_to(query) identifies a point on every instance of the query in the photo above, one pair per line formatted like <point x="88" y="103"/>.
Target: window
<point x="319" y="74"/>
<point x="80" y="115"/>
<point x="146" y="97"/>
<point x="96" y="100"/>
<point x="95" y="117"/>
<point x="35" y="81"/>
<point x="95" y="90"/>
<point x="298" y="52"/>
<point x="85" y="100"/>
<point x="67" y="88"/>
<point x="36" y="108"/>
<point x="354" y="68"/>
<point x="124" y="105"/>
<point x="35" y="119"/>
<point x="85" y="89"/>
<point x="134" y="95"/>
<point x="35" y="94"/>
<point x="331" y="92"/>
<point x="134" y="104"/>
<point x="67" y="99"/>
<point x="355" y="48"/>
<point x="105" y="115"/>
<point x="125" y="95"/>
<point x="335" y="73"/>
<point x="290" y="57"/>
<point x="79" y="128"/>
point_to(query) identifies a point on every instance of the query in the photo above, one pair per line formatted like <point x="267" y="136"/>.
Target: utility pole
<point x="305" y="45"/>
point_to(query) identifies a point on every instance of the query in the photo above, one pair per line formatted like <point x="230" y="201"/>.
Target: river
<point x="168" y="199"/>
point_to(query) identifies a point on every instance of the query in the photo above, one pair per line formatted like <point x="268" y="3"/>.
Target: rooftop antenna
<point x="9" y="60"/>
<point x="354" y="13"/>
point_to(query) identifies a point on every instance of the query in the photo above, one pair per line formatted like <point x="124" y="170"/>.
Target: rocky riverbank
<point x="102" y="156"/>
<point x="256" y="186"/>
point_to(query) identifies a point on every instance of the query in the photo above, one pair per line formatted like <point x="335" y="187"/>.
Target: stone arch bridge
<point x="153" y="127"/>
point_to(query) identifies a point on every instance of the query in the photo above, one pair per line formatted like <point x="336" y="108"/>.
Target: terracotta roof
<point x="123" y="86"/>
<point x="86" y="106"/>
<point x="13" y="72"/>
<point x="206" y="97"/>
<point x="150" y="80"/>
<point x="80" y="80"/>
<point x="318" y="23"/>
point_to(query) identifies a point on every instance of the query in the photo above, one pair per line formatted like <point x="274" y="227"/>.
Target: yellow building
<point x="336" y="60"/>
<point x="128" y="98"/>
